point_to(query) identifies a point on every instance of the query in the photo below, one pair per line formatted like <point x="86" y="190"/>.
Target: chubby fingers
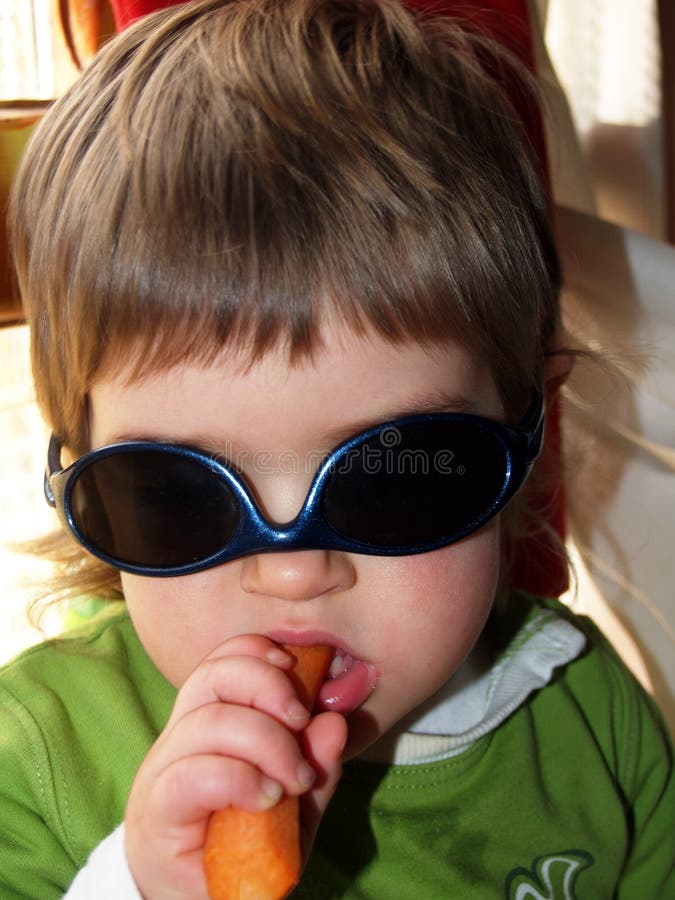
<point x="189" y="791"/>
<point x="250" y="671"/>
<point x="240" y="733"/>
<point x="232" y="738"/>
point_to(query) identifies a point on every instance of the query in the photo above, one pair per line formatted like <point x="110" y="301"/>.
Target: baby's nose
<point x="297" y="575"/>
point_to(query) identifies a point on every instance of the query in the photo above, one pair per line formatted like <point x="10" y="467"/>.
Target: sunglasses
<point x="406" y="486"/>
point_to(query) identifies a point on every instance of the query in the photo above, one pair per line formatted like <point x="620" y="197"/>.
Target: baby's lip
<point x="309" y="638"/>
<point x="351" y="680"/>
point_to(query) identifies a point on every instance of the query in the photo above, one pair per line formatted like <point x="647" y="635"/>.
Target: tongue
<point x="350" y="682"/>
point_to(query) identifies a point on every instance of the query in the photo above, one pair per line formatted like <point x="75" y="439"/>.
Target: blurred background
<point x="608" y="72"/>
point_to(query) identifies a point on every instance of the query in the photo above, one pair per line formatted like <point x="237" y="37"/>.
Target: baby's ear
<point x="558" y="365"/>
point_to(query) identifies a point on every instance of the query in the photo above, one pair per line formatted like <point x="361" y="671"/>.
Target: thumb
<point x="322" y="743"/>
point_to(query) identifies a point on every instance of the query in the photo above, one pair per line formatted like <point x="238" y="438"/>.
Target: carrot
<point x="256" y="855"/>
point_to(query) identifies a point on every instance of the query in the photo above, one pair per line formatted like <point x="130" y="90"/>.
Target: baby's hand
<point x="237" y="736"/>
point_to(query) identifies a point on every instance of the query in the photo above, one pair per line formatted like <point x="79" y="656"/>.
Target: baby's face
<point x="403" y="624"/>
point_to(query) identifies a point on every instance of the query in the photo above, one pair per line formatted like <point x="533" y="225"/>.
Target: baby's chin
<point x="364" y="735"/>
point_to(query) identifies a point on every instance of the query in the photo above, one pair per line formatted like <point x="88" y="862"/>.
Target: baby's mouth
<point x="350" y="682"/>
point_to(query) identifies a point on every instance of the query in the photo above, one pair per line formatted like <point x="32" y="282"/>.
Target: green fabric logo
<point x="552" y="877"/>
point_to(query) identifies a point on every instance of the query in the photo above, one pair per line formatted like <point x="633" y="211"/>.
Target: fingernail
<point x="306" y="774"/>
<point x="295" y="710"/>
<point x="279" y="657"/>
<point x="270" y="792"/>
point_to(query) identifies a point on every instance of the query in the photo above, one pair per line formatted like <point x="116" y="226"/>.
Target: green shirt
<point x="571" y="796"/>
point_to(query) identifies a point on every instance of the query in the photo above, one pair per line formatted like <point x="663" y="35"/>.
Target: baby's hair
<point x="229" y="174"/>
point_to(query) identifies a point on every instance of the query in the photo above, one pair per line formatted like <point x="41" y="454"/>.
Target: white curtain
<point x="606" y="55"/>
<point x="26" y="64"/>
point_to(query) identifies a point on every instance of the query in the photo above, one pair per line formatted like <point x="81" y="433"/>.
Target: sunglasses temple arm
<point x="53" y="466"/>
<point x="534" y="424"/>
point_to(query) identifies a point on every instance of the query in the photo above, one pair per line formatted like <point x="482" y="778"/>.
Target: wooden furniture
<point x="78" y="29"/>
<point x="16" y="123"/>
<point x="667" y="33"/>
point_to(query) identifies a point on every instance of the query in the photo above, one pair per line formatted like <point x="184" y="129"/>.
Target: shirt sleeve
<point x="34" y="858"/>
<point x="631" y="734"/>
<point x="38" y="856"/>
<point x="106" y="874"/>
<point x="638" y="745"/>
<point x="650" y="788"/>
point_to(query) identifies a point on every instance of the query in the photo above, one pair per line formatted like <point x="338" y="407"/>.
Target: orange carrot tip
<point x="256" y="855"/>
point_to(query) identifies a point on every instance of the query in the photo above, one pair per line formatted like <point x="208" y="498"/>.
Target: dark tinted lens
<point x="153" y="508"/>
<point x="415" y="484"/>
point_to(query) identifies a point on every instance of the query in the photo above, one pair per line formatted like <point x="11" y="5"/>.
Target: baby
<point x="294" y="308"/>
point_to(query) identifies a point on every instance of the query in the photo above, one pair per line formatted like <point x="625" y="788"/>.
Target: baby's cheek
<point x="463" y="576"/>
<point x="450" y="593"/>
<point x="174" y="620"/>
